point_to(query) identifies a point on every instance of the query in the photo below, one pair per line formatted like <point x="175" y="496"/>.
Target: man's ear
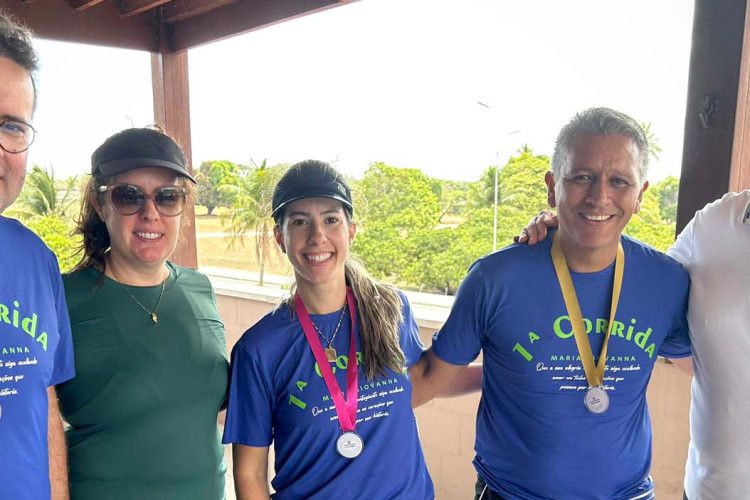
<point x="550" y="180"/>
<point x="640" y="198"/>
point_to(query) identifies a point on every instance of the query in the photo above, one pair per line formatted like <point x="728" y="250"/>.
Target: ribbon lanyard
<point x="346" y="410"/>
<point x="594" y="374"/>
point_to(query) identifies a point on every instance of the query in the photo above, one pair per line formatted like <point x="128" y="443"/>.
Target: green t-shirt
<point x="142" y="408"/>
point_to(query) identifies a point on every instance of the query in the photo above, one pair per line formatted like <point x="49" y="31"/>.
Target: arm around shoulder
<point x="685" y="365"/>
<point x="432" y="377"/>
<point x="250" y="472"/>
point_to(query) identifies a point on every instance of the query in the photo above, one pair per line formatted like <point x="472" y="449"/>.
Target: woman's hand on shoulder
<point x="536" y="230"/>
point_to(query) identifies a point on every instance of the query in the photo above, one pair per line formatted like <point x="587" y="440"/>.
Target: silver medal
<point x="349" y="445"/>
<point x="596" y="400"/>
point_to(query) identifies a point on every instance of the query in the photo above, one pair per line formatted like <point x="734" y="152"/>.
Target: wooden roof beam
<point x="241" y="17"/>
<point x="177" y="10"/>
<point x="81" y="5"/>
<point x="130" y="8"/>
<point x="101" y="24"/>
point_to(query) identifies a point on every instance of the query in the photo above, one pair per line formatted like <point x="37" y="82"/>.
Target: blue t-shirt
<point x="535" y="439"/>
<point x="35" y="353"/>
<point x="277" y="395"/>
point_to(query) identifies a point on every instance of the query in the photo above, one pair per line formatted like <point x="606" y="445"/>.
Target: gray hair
<point x="15" y="44"/>
<point x="602" y="121"/>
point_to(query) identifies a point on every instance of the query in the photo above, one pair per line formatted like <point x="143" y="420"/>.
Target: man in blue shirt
<point x="35" y="345"/>
<point x="569" y="330"/>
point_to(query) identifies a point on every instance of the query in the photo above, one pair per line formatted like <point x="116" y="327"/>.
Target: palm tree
<point x="45" y="196"/>
<point x="482" y="193"/>
<point x="251" y="211"/>
<point x="653" y="141"/>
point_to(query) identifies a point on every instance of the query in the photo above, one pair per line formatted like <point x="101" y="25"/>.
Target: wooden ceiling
<point x="142" y="24"/>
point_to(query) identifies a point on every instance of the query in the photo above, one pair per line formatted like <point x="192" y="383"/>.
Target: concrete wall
<point x="447" y="426"/>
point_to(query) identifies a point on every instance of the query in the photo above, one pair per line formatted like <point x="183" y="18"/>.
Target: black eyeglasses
<point x="15" y="136"/>
<point x="128" y="199"/>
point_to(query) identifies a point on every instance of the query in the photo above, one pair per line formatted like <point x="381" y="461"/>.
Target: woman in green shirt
<point x="150" y="354"/>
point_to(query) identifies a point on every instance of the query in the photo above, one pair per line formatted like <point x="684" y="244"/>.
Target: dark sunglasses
<point x="128" y="199"/>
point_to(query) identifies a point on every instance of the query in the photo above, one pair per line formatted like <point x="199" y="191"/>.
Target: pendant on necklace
<point x="331" y="355"/>
<point x="154" y="318"/>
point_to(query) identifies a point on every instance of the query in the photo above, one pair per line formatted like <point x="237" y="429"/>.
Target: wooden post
<point x="708" y="170"/>
<point x="169" y="77"/>
<point x="740" y="172"/>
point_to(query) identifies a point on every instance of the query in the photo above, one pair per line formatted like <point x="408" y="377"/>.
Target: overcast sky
<point x="396" y="81"/>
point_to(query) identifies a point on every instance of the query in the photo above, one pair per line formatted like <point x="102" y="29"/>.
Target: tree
<point x="653" y="141"/>
<point x="56" y="234"/>
<point x="521" y="194"/>
<point x="667" y="191"/>
<point x="402" y="238"/>
<point x="648" y="224"/>
<point x="525" y="173"/>
<point x="453" y="198"/>
<point x="400" y="202"/>
<point x="45" y="196"/>
<point x="440" y="257"/>
<point x="524" y="194"/>
<point x="519" y="182"/>
<point x="435" y="263"/>
<point x="46" y="205"/>
<point x="205" y="193"/>
<point x="250" y="210"/>
<point x="210" y="176"/>
<point x="482" y="193"/>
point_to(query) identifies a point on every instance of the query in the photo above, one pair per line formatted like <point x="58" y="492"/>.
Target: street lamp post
<point x="497" y="169"/>
<point x="494" y="220"/>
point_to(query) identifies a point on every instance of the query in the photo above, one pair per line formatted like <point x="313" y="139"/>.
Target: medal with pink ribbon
<point x="349" y="444"/>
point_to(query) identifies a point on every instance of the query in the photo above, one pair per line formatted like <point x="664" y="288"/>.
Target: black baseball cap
<point x="138" y="147"/>
<point x="310" y="179"/>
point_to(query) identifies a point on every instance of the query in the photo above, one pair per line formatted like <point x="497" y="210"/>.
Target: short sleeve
<point x="682" y="249"/>
<point x="221" y="338"/>
<point x="459" y="341"/>
<point x="250" y="402"/>
<point x="677" y="342"/>
<point x="64" y="368"/>
<point x="411" y="344"/>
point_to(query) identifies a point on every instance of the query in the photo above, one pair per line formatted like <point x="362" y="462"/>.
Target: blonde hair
<point x="379" y="310"/>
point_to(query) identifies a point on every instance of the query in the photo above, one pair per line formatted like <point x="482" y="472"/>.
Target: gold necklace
<point x="153" y="315"/>
<point x="331" y="354"/>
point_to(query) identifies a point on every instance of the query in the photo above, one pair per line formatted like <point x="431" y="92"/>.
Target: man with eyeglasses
<point x="35" y="343"/>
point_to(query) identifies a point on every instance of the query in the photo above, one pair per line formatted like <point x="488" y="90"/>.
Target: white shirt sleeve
<point x="682" y="249"/>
